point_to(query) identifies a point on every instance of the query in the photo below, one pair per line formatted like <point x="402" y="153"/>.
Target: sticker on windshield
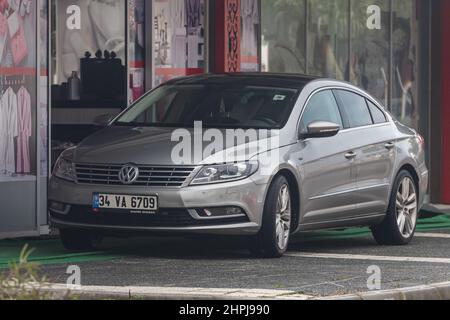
<point x="279" y="97"/>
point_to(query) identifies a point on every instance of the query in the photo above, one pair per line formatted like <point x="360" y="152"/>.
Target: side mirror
<point x="321" y="129"/>
<point x="102" y="120"/>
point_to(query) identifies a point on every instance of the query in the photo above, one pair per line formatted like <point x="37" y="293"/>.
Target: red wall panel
<point x="228" y="35"/>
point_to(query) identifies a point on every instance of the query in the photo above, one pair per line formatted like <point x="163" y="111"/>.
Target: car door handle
<point x="351" y="155"/>
<point x="389" y="145"/>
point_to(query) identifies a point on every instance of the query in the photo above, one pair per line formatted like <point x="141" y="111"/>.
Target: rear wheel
<point x="399" y="226"/>
<point x="76" y="240"/>
<point x="273" y="238"/>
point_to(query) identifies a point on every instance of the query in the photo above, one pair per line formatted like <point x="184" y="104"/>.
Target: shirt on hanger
<point x="8" y="131"/>
<point x="24" y="130"/>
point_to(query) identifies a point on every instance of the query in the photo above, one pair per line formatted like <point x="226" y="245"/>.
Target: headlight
<point x="225" y="173"/>
<point x="64" y="169"/>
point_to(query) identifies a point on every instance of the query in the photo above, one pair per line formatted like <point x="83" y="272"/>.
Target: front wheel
<point x="273" y="238"/>
<point x="76" y="240"/>
<point x="399" y="226"/>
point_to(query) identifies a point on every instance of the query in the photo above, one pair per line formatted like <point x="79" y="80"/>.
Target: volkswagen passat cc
<point x="256" y="155"/>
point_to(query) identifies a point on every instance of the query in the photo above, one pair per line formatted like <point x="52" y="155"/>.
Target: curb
<point x="440" y="291"/>
<point x="163" y="293"/>
<point x="432" y="210"/>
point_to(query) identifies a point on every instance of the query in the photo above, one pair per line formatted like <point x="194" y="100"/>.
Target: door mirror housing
<point x="103" y="120"/>
<point x="321" y="129"/>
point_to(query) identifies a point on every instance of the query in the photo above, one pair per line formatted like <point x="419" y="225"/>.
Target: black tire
<point x="265" y="244"/>
<point x="388" y="232"/>
<point x="76" y="240"/>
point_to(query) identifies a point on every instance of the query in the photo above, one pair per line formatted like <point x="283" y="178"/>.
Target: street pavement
<point x="317" y="264"/>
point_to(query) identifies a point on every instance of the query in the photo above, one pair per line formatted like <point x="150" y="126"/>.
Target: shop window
<point x="136" y="49"/>
<point x="89" y="76"/>
<point x="283" y="47"/>
<point x="178" y="38"/>
<point x="90" y="52"/>
<point x="18" y="90"/>
<point x="404" y="98"/>
<point x="328" y="38"/>
<point x="369" y="67"/>
<point x="250" y="18"/>
<point x="43" y="88"/>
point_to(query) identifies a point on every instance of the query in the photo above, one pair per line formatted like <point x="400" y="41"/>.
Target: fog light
<point x="59" y="207"/>
<point x="220" y="212"/>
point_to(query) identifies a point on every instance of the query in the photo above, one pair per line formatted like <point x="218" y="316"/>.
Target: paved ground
<point x="325" y="263"/>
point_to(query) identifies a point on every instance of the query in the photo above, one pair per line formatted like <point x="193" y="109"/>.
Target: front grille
<point x="149" y="176"/>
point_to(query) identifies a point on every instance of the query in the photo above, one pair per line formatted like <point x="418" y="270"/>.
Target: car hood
<point x="155" y="146"/>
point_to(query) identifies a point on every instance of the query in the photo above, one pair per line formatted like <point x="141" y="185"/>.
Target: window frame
<point x="368" y="102"/>
<point x="344" y="112"/>
<point x="307" y="104"/>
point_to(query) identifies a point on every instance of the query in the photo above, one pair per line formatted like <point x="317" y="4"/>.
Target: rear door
<point x="374" y="151"/>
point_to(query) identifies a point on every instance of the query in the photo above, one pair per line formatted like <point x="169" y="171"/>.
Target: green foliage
<point x="22" y="281"/>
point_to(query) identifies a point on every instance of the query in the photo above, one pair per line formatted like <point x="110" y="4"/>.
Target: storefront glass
<point x="136" y="49"/>
<point x="178" y="38"/>
<point x="43" y="88"/>
<point x="328" y="38"/>
<point x="376" y="51"/>
<point x="250" y="29"/>
<point x="283" y="36"/>
<point x="370" y="47"/>
<point x="18" y="41"/>
<point x="19" y="112"/>
<point x="404" y="97"/>
<point x="89" y="38"/>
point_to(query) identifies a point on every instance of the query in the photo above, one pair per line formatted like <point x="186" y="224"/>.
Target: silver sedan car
<point x="257" y="155"/>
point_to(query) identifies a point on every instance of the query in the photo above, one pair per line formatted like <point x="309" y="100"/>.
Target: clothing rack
<point x="4" y="81"/>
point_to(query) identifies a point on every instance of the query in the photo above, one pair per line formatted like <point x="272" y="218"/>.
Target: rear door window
<point x="355" y="108"/>
<point x="378" y="116"/>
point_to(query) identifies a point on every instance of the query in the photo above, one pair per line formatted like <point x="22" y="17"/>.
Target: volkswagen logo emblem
<point x="128" y="174"/>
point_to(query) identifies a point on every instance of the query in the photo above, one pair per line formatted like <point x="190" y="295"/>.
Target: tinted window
<point x="215" y="105"/>
<point x="377" y="115"/>
<point x="321" y="107"/>
<point x="355" y="108"/>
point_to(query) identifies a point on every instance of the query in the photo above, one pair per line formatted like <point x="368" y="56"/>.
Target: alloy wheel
<point x="283" y="217"/>
<point x="406" y="207"/>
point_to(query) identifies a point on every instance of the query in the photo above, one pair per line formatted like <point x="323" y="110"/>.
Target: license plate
<point x="125" y="202"/>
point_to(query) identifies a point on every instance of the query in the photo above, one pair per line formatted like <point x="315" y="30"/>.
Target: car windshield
<point x="216" y="106"/>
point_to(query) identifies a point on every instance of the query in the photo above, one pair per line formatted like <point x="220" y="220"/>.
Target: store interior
<point x="100" y="50"/>
<point x="105" y="54"/>
<point x="89" y="76"/>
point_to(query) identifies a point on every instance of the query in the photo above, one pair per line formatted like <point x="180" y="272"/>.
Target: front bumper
<point x="175" y="213"/>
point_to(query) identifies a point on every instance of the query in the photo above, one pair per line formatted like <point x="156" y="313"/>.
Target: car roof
<point x="294" y="81"/>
